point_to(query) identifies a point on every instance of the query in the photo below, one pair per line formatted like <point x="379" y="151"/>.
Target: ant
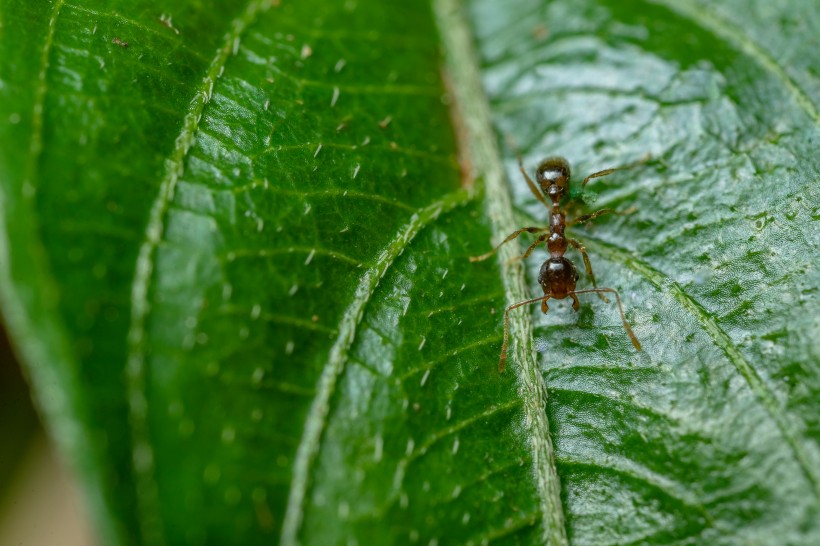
<point x="558" y="274"/>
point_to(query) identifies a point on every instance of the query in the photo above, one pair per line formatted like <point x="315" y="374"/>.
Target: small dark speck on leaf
<point x="119" y="42"/>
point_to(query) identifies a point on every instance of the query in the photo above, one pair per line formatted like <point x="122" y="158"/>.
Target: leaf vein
<point x="36" y="145"/>
<point x="722" y="340"/>
<point x="480" y="141"/>
<point x="639" y="473"/>
<point x="404" y="462"/>
<point x="718" y="26"/>
<point x="320" y="407"/>
<point x="137" y="25"/>
<point x="331" y="193"/>
<point x="142" y="457"/>
<point x="311" y="251"/>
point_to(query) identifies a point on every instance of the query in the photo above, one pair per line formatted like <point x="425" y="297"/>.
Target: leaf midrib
<point x="479" y="140"/>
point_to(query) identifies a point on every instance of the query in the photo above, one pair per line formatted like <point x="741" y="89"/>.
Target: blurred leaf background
<point x="234" y="247"/>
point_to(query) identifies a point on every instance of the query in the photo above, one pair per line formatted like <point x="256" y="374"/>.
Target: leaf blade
<point x="711" y="119"/>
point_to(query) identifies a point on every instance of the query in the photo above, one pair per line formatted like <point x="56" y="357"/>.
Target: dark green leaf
<point x="234" y="249"/>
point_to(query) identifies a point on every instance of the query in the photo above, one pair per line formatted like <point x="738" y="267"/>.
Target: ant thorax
<point x="557" y="242"/>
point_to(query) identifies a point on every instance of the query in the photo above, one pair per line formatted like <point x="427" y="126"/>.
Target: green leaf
<point x="234" y="249"/>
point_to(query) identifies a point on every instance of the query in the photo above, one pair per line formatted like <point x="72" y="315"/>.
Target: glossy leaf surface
<point x="710" y="434"/>
<point x="235" y="247"/>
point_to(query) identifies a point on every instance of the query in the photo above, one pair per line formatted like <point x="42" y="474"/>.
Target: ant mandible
<point x="558" y="274"/>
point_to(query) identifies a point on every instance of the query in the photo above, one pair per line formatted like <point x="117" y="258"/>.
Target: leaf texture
<point x="234" y="245"/>
<point x="714" y="423"/>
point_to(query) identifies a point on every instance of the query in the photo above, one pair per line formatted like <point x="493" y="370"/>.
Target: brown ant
<point x="558" y="274"/>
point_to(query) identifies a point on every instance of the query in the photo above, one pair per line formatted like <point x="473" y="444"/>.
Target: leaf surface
<point x="710" y="434"/>
<point x="234" y="247"/>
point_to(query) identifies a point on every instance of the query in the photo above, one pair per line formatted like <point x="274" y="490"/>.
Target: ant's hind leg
<point x="628" y="328"/>
<point x="588" y="267"/>
<point x="509" y="238"/>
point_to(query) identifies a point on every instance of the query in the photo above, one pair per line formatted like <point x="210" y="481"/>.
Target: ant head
<point x="553" y="176"/>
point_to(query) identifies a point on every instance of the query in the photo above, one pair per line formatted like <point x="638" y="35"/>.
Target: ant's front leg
<point x="589" y="217"/>
<point x="578" y="246"/>
<point x="599" y="174"/>
<point x="509" y="238"/>
<point x="605" y="172"/>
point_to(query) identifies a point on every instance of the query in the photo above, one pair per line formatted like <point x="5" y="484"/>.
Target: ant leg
<point x="578" y="246"/>
<point x="503" y="359"/>
<point x="575" y="303"/>
<point x="533" y="188"/>
<point x="610" y="171"/>
<point x="629" y="331"/>
<point x="589" y="217"/>
<point x="532" y="247"/>
<point x="600" y="174"/>
<point x="509" y="238"/>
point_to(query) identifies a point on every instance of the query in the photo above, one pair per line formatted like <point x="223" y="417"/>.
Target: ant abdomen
<point x="558" y="277"/>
